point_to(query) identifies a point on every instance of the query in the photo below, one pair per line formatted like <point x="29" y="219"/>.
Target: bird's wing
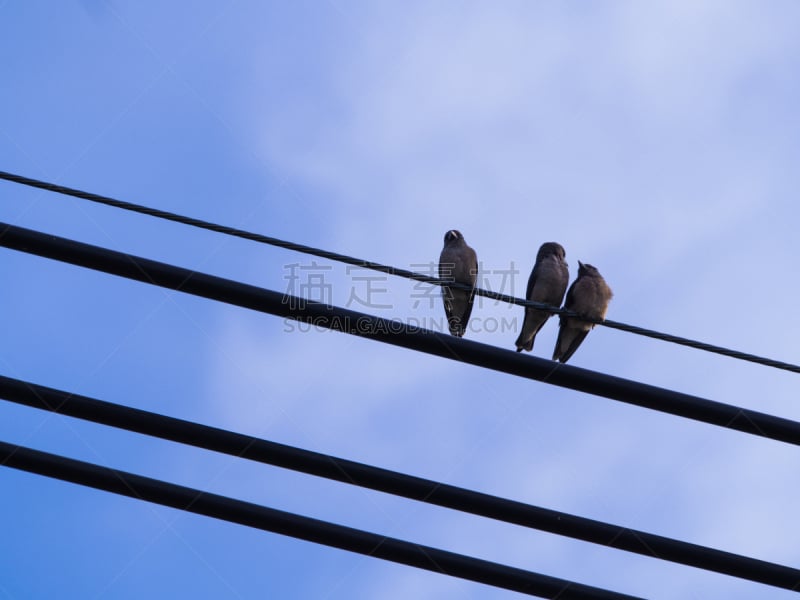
<point x="570" y="301"/>
<point x="531" y="282"/>
<point x="578" y="336"/>
<point x="447" y="265"/>
<point x="472" y="261"/>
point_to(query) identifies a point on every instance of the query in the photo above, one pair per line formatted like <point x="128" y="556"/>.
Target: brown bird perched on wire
<point x="458" y="263"/>
<point x="588" y="296"/>
<point x="547" y="284"/>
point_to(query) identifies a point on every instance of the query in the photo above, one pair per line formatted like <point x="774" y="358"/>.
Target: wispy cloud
<point x="626" y="132"/>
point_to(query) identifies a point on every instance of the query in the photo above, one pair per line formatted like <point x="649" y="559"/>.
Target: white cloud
<point x="621" y="131"/>
<point x="533" y="123"/>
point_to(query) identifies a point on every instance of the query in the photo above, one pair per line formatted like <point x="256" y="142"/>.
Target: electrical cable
<point x="263" y="239"/>
<point x="392" y="482"/>
<point x="399" y="334"/>
<point x="298" y="526"/>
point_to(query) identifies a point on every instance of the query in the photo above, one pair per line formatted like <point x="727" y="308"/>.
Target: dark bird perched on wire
<point x="547" y="284"/>
<point x="458" y="263"/>
<point x="588" y="296"/>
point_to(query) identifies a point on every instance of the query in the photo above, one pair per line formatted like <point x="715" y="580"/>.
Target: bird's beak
<point x="580" y="264"/>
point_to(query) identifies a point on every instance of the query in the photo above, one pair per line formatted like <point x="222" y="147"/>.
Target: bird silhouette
<point x="588" y="296"/>
<point x="547" y="284"/>
<point x="457" y="263"/>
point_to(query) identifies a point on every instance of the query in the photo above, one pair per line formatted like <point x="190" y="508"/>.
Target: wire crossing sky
<point x="298" y="526"/>
<point x="391" y="332"/>
<point x="338" y="469"/>
<point x="390" y="270"/>
<point x="656" y="141"/>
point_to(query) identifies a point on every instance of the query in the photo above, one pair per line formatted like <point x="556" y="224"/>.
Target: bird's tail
<point x="524" y="344"/>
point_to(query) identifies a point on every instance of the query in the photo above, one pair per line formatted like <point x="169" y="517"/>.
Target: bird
<point x="588" y="296"/>
<point x="457" y="263"/>
<point x="547" y="284"/>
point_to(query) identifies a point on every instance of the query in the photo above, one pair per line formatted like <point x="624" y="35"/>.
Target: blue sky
<point x="657" y="141"/>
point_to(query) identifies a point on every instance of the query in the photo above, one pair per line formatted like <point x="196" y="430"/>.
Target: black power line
<point x="263" y="239"/>
<point x="399" y="484"/>
<point x="398" y="334"/>
<point x="297" y="526"/>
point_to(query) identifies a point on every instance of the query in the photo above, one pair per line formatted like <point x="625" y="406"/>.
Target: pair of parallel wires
<point x="267" y="301"/>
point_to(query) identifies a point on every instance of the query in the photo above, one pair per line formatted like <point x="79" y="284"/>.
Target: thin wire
<point x="390" y="270"/>
<point x="398" y="334"/>
<point x="298" y="526"/>
<point x="393" y="482"/>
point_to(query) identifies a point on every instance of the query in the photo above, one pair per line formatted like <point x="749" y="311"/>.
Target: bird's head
<point x="452" y="236"/>
<point x="551" y="249"/>
<point x="587" y="269"/>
